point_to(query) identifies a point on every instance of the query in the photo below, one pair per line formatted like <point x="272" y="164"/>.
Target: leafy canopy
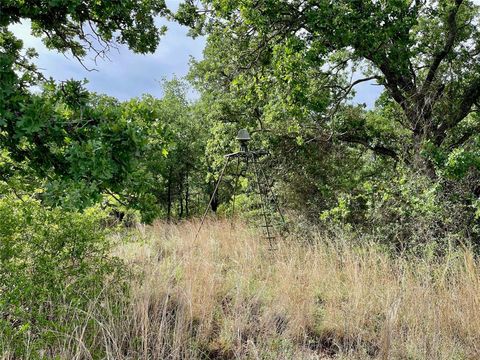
<point x="303" y="59"/>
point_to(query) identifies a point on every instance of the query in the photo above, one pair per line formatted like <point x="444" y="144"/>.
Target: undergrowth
<point x="227" y="295"/>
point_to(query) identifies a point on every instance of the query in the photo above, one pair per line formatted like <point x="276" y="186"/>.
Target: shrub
<point x="52" y="263"/>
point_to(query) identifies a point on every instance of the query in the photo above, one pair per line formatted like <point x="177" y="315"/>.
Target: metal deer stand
<point x="268" y="199"/>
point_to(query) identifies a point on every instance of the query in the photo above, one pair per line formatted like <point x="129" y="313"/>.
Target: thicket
<point x="404" y="171"/>
<point x="52" y="264"/>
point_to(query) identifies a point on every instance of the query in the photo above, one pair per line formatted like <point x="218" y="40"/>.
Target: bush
<point x="52" y="262"/>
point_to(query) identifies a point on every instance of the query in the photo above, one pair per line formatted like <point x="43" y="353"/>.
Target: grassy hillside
<point x="226" y="295"/>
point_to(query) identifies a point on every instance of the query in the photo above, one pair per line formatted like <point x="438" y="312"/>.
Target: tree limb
<point x="442" y="54"/>
<point x="379" y="149"/>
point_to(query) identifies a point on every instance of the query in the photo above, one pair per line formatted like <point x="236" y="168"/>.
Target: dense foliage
<point x="52" y="263"/>
<point x="288" y="70"/>
<point x="72" y="163"/>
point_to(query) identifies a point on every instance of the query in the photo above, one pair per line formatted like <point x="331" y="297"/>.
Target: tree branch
<point x="379" y="149"/>
<point x="442" y="54"/>
<point x="469" y="98"/>
<point x="356" y="82"/>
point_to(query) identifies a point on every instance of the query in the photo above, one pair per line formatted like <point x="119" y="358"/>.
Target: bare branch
<point x="356" y="82"/>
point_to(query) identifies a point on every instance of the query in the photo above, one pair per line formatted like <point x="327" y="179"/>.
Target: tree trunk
<point x="180" y="201"/>
<point x="419" y="161"/>
<point x="169" y="195"/>
<point x="215" y="203"/>
<point x="187" y="195"/>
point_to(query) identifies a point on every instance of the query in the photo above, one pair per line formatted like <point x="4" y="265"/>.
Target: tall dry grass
<point x="226" y="295"/>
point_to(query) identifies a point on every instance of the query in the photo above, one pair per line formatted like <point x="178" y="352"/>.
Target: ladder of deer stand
<point x="269" y="205"/>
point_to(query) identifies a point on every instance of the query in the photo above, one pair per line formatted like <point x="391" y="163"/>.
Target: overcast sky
<point x="128" y="75"/>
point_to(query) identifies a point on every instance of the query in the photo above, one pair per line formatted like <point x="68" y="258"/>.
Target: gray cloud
<point x="126" y="74"/>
